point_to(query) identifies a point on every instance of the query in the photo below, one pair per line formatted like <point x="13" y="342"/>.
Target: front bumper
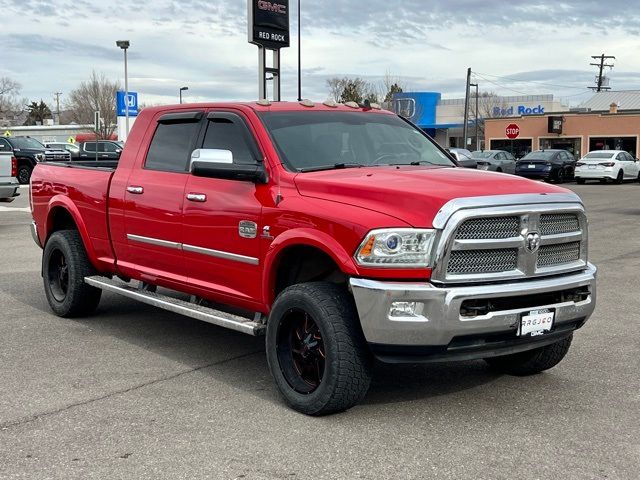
<point x="440" y="330"/>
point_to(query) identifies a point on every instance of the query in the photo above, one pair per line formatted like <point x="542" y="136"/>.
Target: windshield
<point x="323" y="140"/>
<point x="539" y="156"/>
<point x="26" y="142"/>
<point x="481" y="154"/>
<point x="600" y="155"/>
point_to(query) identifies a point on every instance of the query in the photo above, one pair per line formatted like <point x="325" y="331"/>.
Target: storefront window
<point x="628" y="144"/>
<point x="517" y="148"/>
<point x="573" y="145"/>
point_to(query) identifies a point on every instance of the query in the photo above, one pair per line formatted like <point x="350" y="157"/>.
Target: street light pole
<point x="182" y="89"/>
<point x="124" y="45"/>
<point x="299" y="56"/>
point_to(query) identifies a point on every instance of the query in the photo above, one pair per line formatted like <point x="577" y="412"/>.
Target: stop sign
<point x="512" y="131"/>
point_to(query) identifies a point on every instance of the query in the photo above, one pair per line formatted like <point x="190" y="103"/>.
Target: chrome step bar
<point x="188" y="309"/>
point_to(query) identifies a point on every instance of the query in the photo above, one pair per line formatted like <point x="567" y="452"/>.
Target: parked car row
<point x="556" y="166"/>
<point x="102" y="149"/>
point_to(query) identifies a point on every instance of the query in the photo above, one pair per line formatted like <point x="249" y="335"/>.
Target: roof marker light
<point x="307" y="103"/>
<point x="352" y="104"/>
<point x="264" y="103"/>
<point x="330" y="103"/>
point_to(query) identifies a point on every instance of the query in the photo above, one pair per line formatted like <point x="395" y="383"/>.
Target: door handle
<point x="197" y="197"/>
<point x="135" y="190"/>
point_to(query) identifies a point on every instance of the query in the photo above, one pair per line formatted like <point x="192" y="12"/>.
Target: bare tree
<point x="389" y="86"/>
<point x="10" y="103"/>
<point x="97" y="93"/>
<point x="490" y="105"/>
<point x="351" y="90"/>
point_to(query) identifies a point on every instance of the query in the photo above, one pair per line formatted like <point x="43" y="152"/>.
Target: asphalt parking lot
<point x="136" y="392"/>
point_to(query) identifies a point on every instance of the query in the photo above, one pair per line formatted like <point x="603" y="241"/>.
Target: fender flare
<point x="302" y="237"/>
<point x="61" y="201"/>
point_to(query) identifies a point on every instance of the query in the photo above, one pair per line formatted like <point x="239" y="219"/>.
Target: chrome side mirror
<point x="211" y="156"/>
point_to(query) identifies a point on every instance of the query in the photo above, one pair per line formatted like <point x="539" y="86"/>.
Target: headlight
<point x="40" y="157"/>
<point x="396" y="248"/>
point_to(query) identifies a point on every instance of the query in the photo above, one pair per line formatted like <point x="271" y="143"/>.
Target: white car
<point x="605" y="165"/>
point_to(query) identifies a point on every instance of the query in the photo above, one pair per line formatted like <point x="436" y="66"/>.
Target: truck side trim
<point x="154" y="241"/>
<point x="194" y="249"/>
<point x="221" y="254"/>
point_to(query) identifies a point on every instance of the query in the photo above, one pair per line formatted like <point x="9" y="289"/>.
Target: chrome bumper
<point x="438" y="319"/>
<point x="34" y="234"/>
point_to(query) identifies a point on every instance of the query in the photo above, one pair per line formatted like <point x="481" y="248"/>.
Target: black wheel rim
<point x="301" y="351"/>
<point x="23" y="175"/>
<point x="58" y="275"/>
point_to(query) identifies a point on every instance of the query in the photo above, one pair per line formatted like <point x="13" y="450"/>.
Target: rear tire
<point x="499" y="170"/>
<point x="620" y="177"/>
<point x="64" y="266"/>
<point x="24" y="174"/>
<point x="316" y="351"/>
<point x="532" y="361"/>
<point x="560" y="176"/>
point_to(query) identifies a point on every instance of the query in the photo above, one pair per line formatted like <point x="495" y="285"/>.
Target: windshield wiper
<point x="335" y="166"/>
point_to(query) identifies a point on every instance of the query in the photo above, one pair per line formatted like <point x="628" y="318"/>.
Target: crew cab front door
<point x="221" y="217"/>
<point x="154" y="198"/>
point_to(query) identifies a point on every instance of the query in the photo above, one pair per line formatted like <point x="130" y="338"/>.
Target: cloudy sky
<point x="516" y="47"/>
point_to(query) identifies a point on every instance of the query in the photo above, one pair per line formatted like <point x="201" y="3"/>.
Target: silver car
<point x="495" y="161"/>
<point x="463" y="156"/>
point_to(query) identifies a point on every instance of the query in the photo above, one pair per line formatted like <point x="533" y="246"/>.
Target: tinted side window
<point x="108" y="147"/>
<point x="172" y="146"/>
<point x="90" y="146"/>
<point x="228" y="132"/>
<point x="4" y="145"/>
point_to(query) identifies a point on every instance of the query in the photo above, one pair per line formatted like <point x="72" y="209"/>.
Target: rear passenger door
<point x="154" y="200"/>
<point x="221" y="217"/>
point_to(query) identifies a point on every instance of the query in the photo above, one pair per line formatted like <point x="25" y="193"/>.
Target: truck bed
<point x="82" y="188"/>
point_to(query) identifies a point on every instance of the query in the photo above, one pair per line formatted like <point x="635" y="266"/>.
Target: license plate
<point x="532" y="166"/>
<point x="536" y="322"/>
<point x="593" y="167"/>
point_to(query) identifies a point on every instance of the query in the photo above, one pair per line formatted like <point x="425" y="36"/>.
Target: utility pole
<point x="299" y="55"/>
<point x="601" y="66"/>
<point x="57" y="95"/>
<point x="477" y="135"/>
<point x="465" y="127"/>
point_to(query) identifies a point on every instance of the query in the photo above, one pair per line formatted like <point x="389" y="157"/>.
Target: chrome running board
<point x="199" y="312"/>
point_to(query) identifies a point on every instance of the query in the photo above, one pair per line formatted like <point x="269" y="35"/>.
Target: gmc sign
<point x="269" y="23"/>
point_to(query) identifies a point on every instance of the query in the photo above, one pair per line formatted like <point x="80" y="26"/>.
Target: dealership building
<point x="609" y="120"/>
<point x="443" y="119"/>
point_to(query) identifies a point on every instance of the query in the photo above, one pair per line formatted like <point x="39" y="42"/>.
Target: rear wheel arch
<point x="63" y="215"/>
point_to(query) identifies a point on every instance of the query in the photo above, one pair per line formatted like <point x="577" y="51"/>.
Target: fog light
<point x="403" y="309"/>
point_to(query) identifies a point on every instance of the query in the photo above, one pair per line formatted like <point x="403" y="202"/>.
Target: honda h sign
<point x="269" y="23"/>
<point x="512" y="131"/>
<point x="126" y="102"/>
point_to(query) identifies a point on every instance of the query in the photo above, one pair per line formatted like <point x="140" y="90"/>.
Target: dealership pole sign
<point x="269" y="30"/>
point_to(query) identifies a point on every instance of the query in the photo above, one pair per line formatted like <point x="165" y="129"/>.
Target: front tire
<point x="64" y="266"/>
<point x="532" y="361"/>
<point x="316" y="351"/>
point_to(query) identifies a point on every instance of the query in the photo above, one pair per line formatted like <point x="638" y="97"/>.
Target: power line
<point x="518" y="91"/>
<point x="530" y="81"/>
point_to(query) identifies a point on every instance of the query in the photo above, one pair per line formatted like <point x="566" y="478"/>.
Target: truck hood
<point x="412" y="194"/>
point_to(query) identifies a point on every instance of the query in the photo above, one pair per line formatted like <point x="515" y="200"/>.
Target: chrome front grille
<point x="484" y="228"/>
<point x="52" y="157"/>
<point x="559" y="254"/>
<point x="465" y="262"/>
<point x="479" y="246"/>
<point x="556" y="224"/>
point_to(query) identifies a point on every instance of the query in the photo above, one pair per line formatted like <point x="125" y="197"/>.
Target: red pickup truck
<point x="342" y="233"/>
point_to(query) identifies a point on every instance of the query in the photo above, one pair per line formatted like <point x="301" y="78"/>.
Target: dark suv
<point x="549" y="165"/>
<point x="106" y="150"/>
<point x="29" y="151"/>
